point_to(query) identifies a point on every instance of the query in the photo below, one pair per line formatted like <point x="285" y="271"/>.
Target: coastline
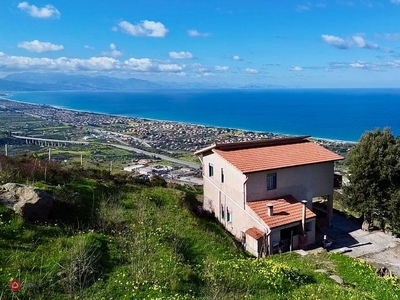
<point x="133" y="118"/>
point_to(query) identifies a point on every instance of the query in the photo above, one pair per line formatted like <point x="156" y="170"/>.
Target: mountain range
<point x="35" y="81"/>
<point x="31" y="81"/>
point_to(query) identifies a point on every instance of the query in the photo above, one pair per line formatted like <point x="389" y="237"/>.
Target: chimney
<point x="270" y="210"/>
<point x="303" y="219"/>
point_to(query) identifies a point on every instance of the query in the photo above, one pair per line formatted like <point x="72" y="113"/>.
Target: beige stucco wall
<point x="302" y="182"/>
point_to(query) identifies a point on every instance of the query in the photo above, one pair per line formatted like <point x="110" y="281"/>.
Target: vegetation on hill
<point x="116" y="237"/>
<point x="374" y="173"/>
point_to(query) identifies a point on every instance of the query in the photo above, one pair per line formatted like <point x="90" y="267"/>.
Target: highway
<point x="164" y="157"/>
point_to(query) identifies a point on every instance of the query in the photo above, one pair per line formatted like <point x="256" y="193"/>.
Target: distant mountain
<point x="28" y="81"/>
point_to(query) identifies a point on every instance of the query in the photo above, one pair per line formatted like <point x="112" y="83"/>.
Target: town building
<point x="263" y="191"/>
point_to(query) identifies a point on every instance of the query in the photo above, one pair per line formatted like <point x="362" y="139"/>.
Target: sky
<point x="229" y="43"/>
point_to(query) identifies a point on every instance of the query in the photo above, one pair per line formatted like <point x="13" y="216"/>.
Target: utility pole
<point x="49" y="154"/>
<point x="81" y="160"/>
<point x="111" y="166"/>
<point x="6" y="149"/>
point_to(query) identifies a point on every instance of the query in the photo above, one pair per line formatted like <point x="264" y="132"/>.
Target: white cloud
<point x="395" y="1"/>
<point x="47" y="11"/>
<point x="301" y="8"/>
<point x="251" y="71"/>
<point x="236" y="57"/>
<point x="335" y="41"/>
<point x="195" y="33"/>
<point x="114" y="52"/>
<point x="143" y="28"/>
<point x="93" y="64"/>
<point x="296" y="68"/>
<point x="180" y="55"/>
<point x="356" y="41"/>
<point x="170" y="67"/>
<point x="221" y="68"/>
<point x="362" y="43"/>
<point x="88" y="47"/>
<point x="208" y="74"/>
<point x="40" y="47"/>
<point x="358" y="64"/>
<point x="389" y="36"/>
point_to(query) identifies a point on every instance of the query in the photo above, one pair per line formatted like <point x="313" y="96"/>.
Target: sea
<point x="336" y="114"/>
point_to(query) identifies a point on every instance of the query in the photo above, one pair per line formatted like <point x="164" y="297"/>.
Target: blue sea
<point x="340" y="114"/>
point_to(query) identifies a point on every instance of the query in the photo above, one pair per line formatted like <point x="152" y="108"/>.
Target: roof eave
<point x="299" y="165"/>
<point x="209" y="148"/>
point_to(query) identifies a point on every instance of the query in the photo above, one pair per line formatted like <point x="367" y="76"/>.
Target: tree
<point x="373" y="166"/>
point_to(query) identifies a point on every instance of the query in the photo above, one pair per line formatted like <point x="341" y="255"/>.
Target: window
<point x="210" y="170"/>
<point x="228" y="215"/>
<point x="222" y="175"/>
<point x="222" y="212"/>
<point x="271" y="181"/>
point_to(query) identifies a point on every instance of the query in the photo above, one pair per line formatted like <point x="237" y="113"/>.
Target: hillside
<point x="117" y="237"/>
<point x="28" y="81"/>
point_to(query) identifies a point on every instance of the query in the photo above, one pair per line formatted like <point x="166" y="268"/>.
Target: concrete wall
<point x="302" y="182"/>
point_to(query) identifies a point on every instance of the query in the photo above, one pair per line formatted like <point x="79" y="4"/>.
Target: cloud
<point x="47" y="11"/>
<point x="208" y="74"/>
<point x="395" y="1"/>
<point x="88" y="47"/>
<point x="356" y="41"/>
<point x="93" y="64"/>
<point x="114" y="52"/>
<point x="335" y="41"/>
<point x="221" y="68"/>
<point x="379" y="66"/>
<point x="301" y="8"/>
<point x="195" y="33"/>
<point x="389" y="36"/>
<point x="358" y="64"/>
<point x="40" y="47"/>
<point x="180" y="55"/>
<point x="143" y="28"/>
<point x="236" y="57"/>
<point x="251" y="71"/>
<point x="362" y="43"/>
<point x="296" y="68"/>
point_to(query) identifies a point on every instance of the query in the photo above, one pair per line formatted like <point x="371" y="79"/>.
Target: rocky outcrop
<point x="31" y="203"/>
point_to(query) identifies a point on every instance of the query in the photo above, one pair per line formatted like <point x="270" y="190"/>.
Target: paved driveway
<point x="378" y="248"/>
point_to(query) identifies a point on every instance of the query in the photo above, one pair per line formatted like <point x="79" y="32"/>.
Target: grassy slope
<point x="146" y="244"/>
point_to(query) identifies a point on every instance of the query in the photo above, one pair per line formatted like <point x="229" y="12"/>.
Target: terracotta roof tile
<point x="255" y="233"/>
<point x="286" y="210"/>
<point x="277" y="156"/>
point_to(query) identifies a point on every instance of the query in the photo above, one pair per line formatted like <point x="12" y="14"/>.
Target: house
<point x="263" y="191"/>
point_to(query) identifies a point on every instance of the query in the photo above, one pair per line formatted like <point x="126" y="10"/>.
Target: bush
<point x="84" y="262"/>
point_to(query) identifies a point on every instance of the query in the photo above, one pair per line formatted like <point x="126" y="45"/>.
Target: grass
<point x="52" y="128"/>
<point x="140" y="242"/>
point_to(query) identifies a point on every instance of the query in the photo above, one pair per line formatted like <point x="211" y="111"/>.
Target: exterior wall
<point x="302" y="182"/>
<point x="252" y="245"/>
<point x="229" y="194"/>
<point x="310" y="229"/>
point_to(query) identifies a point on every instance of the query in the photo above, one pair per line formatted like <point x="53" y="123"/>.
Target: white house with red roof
<point x="262" y="191"/>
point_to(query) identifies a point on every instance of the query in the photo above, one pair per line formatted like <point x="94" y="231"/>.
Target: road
<point x="164" y="157"/>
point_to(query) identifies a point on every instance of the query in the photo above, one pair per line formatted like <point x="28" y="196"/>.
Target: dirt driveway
<point x="376" y="247"/>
